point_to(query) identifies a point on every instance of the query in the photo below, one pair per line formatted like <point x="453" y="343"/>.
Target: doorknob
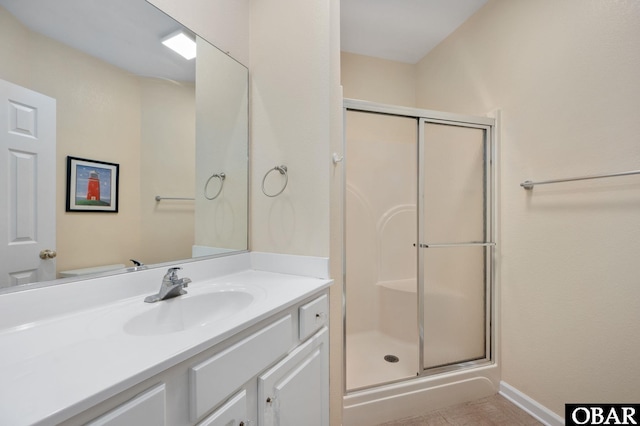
<point x="48" y="254"/>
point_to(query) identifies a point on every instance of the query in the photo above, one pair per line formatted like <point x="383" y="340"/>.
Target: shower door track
<point x="430" y="116"/>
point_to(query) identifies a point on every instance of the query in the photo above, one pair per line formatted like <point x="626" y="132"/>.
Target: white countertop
<point x="60" y="365"/>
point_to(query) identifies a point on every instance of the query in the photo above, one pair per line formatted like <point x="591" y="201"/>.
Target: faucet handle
<point x="172" y="273"/>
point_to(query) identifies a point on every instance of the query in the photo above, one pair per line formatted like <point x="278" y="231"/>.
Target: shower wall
<point x="381" y="190"/>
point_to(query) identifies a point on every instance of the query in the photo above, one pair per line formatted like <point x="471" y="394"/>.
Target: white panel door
<point x="27" y="185"/>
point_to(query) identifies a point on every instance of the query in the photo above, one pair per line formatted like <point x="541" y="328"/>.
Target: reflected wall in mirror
<point x="123" y="97"/>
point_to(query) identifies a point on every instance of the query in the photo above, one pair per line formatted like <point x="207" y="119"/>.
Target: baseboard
<point x="537" y="410"/>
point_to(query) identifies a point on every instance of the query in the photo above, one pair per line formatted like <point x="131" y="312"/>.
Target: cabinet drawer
<point x="213" y="380"/>
<point x="313" y="315"/>
<point x="146" y="409"/>
<point x="234" y="412"/>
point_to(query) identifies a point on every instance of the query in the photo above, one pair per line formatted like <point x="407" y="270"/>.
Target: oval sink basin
<point x="188" y="311"/>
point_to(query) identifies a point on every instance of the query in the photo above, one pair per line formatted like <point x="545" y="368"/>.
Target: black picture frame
<point x="92" y="185"/>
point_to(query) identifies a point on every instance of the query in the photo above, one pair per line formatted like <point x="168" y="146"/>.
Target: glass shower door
<point x="455" y="243"/>
<point x="418" y="243"/>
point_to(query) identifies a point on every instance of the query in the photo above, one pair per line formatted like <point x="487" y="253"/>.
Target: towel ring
<point x="283" y="171"/>
<point x="220" y="176"/>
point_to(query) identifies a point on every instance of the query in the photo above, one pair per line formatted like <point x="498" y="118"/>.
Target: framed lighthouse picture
<point x="92" y="186"/>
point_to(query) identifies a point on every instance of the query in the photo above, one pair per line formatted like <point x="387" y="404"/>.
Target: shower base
<point x="418" y="395"/>
<point x="379" y="391"/>
<point x="366" y="353"/>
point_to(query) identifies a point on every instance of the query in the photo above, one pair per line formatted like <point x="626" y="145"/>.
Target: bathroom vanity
<point x="244" y="346"/>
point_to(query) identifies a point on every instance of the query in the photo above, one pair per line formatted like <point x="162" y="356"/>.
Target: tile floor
<point x="493" y="410"/>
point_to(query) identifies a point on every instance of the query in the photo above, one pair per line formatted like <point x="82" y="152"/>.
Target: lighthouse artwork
<point x="92" y="186"/>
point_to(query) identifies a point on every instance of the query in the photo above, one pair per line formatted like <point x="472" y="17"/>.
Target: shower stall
<point x="419" y="259"/>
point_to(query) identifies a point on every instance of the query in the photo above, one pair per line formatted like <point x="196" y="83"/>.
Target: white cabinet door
<point x="296" y="390"/>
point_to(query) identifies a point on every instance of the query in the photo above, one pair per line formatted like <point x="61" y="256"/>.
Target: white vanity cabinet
<point x="294" y="391"/>
<point x="273" y="373"/>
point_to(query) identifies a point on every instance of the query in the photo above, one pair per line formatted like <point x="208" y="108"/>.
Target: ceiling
<point x="125" y="33"/>
<point x="400" y="30"/>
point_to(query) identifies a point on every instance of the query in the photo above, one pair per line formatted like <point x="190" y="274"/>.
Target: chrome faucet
<point x="137" y="265"/>
<point x="172" y="286"/>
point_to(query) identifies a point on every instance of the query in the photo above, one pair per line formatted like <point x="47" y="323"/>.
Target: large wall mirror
<point x="177" y="128"/>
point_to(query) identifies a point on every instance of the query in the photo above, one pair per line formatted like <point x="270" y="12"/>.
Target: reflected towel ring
<point x="283" y="171"/>
<point x="220" y="176"/>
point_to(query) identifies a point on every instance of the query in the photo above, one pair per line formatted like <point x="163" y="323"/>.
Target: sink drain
<point x="391" y="358"/>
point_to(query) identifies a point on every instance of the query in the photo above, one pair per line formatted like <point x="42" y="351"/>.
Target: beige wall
<point x="221" y="147"/>
<point x="167" y="168"/>
<point x="296" y="121"/>
<point x="565" y="76"/>
<point x="290" y="125"/>
<point x="336" y="343"/>
<point x="378" y="80"/>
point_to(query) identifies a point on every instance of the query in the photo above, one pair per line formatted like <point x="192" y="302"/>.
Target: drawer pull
<point x="312" y="316"/>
